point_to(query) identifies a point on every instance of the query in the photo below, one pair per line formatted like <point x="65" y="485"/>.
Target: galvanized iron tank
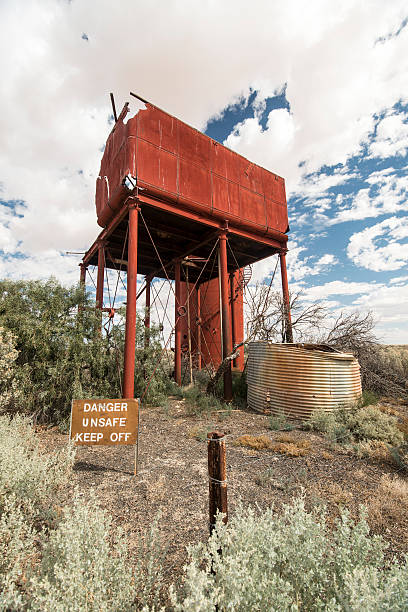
<point x="297" y="379"/>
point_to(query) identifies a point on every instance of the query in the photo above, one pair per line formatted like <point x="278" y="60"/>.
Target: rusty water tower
<point x="168" y="197"/>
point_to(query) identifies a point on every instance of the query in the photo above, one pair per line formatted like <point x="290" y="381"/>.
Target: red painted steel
<point x="172" y="161"/>
<point x="169" y="168"/>
<point x="237" y="316"/>
<point x="211" y="321"/>
<point x="199" y="332"/>
<point x="82" y="275"/>
<point x="225" y="311"/>
<point x="177" y="315"/>
<point x="147" y="317"/>
<point x="184" y="323"/>
<point x="286" y="297"/>
<point x="130" y="330"/>
<point x="101" y="275"/>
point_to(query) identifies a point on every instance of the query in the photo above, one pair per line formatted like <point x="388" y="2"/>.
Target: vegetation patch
<point x="286" y="445"/>
<point x="292" y="561"/>
<point x="359" y="424"/>
<point x="254" y="442"/>
<point x="298" y="448"/>
<point x="388" y="502"/>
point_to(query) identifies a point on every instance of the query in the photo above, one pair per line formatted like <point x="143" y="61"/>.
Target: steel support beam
<point x="130" y="330"/>
<point x="233" y="317"/>
<point x="286" y="298"/>
<point x="101" y="275"/>
<point x="148" y="280"/>
<point x="82" y="275"/>
<point x="225" y="319"/>
<point x="199" y="363"/>
<point x="177" y="323"/>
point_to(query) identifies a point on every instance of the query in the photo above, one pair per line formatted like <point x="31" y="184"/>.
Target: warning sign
<point x="107" y="421"/>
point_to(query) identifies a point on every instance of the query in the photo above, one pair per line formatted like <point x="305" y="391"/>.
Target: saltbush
<point x="292" y="562"/>
<point x="8" y="356"/>
<point x="80" y="569"/>
<point x="356" y="424"/>
<point x="62" y="558"/>
<point x="27" y="474"/>
<point x="198" y="402"/>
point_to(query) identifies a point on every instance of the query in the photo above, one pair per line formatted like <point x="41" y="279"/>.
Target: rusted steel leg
<point x="198" y="328"/>
<point x="232" y="310"/>
<point x="82" y="284"/>
<point x="147" y="317"/>
<point x="82" y="276"/>
<point x="226" y="319"/>
<point x="101" y="275"/>
<point x="286" y="299"/>
<point x="130" y="330"/>
<point x="217" y="475"/>
<point x="100" y="281"/>
<point x="177" y="343"/>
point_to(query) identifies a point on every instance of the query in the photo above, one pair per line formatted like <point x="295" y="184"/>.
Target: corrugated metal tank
<point x="296" y="379"/>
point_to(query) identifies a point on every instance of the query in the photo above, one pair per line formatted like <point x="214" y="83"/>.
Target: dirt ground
<point x="172" y="477"/>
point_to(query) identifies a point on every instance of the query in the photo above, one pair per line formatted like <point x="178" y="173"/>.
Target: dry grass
<point x="297" y="448"/>
<point x="285" y="437"/>
<point x="404" y="427"/>
<point x="387" y="409"/>
<point x="254" y="442"/>
<point x="336" y="494"/>
<point x="326" y="455"/>
<point x="374" y="449"/>
<point x="389" y="504"/>
<point x="285" y="444"/>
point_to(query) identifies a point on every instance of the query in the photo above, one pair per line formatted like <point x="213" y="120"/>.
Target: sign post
<point x="106" y="422"/>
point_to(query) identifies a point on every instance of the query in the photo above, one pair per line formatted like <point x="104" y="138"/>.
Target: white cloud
<point x="366" y="248"/>
<point x="398" y="280"/>
<point x="390" y="196"/>
<point x="339" y="288"/>
<point x="301" y="267"/>
<point x="193" y="59"/>
<point x="392" y="136"/>
<point x="386" y="303"/>
<point x="54" y="88"/>
<point x="41" y="266"/>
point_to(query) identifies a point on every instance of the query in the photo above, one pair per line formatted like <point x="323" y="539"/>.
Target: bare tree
<point x="351" y="332"/>
<point x="266" y="319"/>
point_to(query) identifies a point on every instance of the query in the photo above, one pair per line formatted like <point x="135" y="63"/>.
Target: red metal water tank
<point x="172" y="161"/>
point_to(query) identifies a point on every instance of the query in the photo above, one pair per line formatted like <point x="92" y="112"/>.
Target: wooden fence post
<point x="217" y="475"/>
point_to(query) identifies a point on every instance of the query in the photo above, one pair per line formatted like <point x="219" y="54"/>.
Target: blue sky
<point x="349" y="222"/>
<point x="316" y="95"/>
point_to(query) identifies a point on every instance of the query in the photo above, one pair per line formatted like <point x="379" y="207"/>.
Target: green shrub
<point x="333" y="424"/>
<point x="8" y="356"/>
<point x="369" y="398"/>
<point x="80" y="569"/>
<point x="17" y="552"/>
<point x="63" y="559"/>
<point x="292" y="561"/>
<point x="81" y="564"/>
<point x="62" y="356"/>
<point x="279" y="422"/>
<point x="198" y="402"/>
<point x="356" y="424"/>
<point x="371" y="424"/>
<point x="27" y="474"/>
<point x="239" y="387"/>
